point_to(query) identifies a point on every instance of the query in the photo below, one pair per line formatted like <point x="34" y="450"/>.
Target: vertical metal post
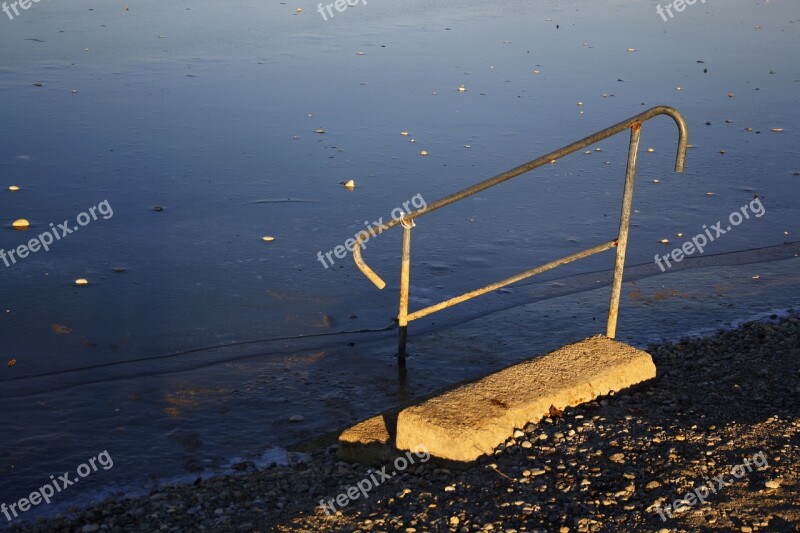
<point x="405" y="274"/>
<point x="624" y="224"/>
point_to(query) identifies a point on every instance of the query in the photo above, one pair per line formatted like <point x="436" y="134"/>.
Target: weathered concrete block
<point x="367" y="442"/>
<point x="473" y="419"/>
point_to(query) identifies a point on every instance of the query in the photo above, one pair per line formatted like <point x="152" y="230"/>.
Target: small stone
<point x="20" y="224"/>
<point x="296" y="418"/>
<point x="652" y="485"/>
<point x="773" y="484"/>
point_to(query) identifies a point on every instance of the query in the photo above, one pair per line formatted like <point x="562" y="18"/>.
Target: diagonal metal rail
<point x="634" y="124"/>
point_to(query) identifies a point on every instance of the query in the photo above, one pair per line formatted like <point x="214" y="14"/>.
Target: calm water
<point x="195" y="340"/>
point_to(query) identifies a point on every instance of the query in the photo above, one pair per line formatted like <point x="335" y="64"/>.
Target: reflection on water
<point x="196" y="340"/>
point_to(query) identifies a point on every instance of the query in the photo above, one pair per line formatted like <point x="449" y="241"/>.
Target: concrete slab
<point x="368" y="442"/>
<point x="473" y="419"/>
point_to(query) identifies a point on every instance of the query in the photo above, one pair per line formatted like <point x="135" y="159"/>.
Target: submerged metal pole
<point x="405" y="274"/>
<point x="624" y="224"/>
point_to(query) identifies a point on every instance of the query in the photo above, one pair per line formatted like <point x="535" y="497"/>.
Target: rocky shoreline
<point x="720" y="423"/>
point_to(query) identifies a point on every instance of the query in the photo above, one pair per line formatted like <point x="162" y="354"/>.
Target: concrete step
<point x="473" y="419"/>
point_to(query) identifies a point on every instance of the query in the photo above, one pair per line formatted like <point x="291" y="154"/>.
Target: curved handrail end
<point x="362" y="266"/>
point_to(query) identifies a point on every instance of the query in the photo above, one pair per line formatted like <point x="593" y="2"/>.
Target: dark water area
<point x="194" y="130"/>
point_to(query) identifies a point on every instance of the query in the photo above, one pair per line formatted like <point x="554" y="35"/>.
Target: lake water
<point x="200" y="128"/>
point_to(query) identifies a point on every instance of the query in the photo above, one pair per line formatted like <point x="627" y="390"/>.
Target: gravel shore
<point x="723" y="413"/>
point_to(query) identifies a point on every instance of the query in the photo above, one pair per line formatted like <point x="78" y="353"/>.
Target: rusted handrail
<point x="633" y="123"/>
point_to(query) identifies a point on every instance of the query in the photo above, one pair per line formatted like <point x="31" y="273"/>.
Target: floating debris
<point x="777" y="130"/>
<point x="38" y="84"/>
<point x="296" y="418"/>
<point x="12" y="362"/>
<point x="158" y="208"/>
<point x="631" y="49"/>
<point x="664" y="241"/>
<point x="537" y="71"/>
<point x="722" y="151"/>
<point x="709" y="194"/>
<point x="462" y="89"/>
<point x="404" y="133"/>
<point x="730" y="95"/>
<point x="267" y="238"/>
<point x="423" y="153"/>
<point x="757" y="276"/>
<point x="656" y="181"/>
<point x="580" y="103"/>
<point x="359" y="53"/>
<point x="320" y="131"/>
<point x="349" y="185"/>
<point x="651" y="150"/>
<point x="13" y="188"/>
<point x="20" y="224"/>
<point x="680" y="234"/>
<point x="81" y="281"/>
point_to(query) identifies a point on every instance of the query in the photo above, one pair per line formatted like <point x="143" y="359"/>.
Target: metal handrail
<point x="621" y="242"/>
